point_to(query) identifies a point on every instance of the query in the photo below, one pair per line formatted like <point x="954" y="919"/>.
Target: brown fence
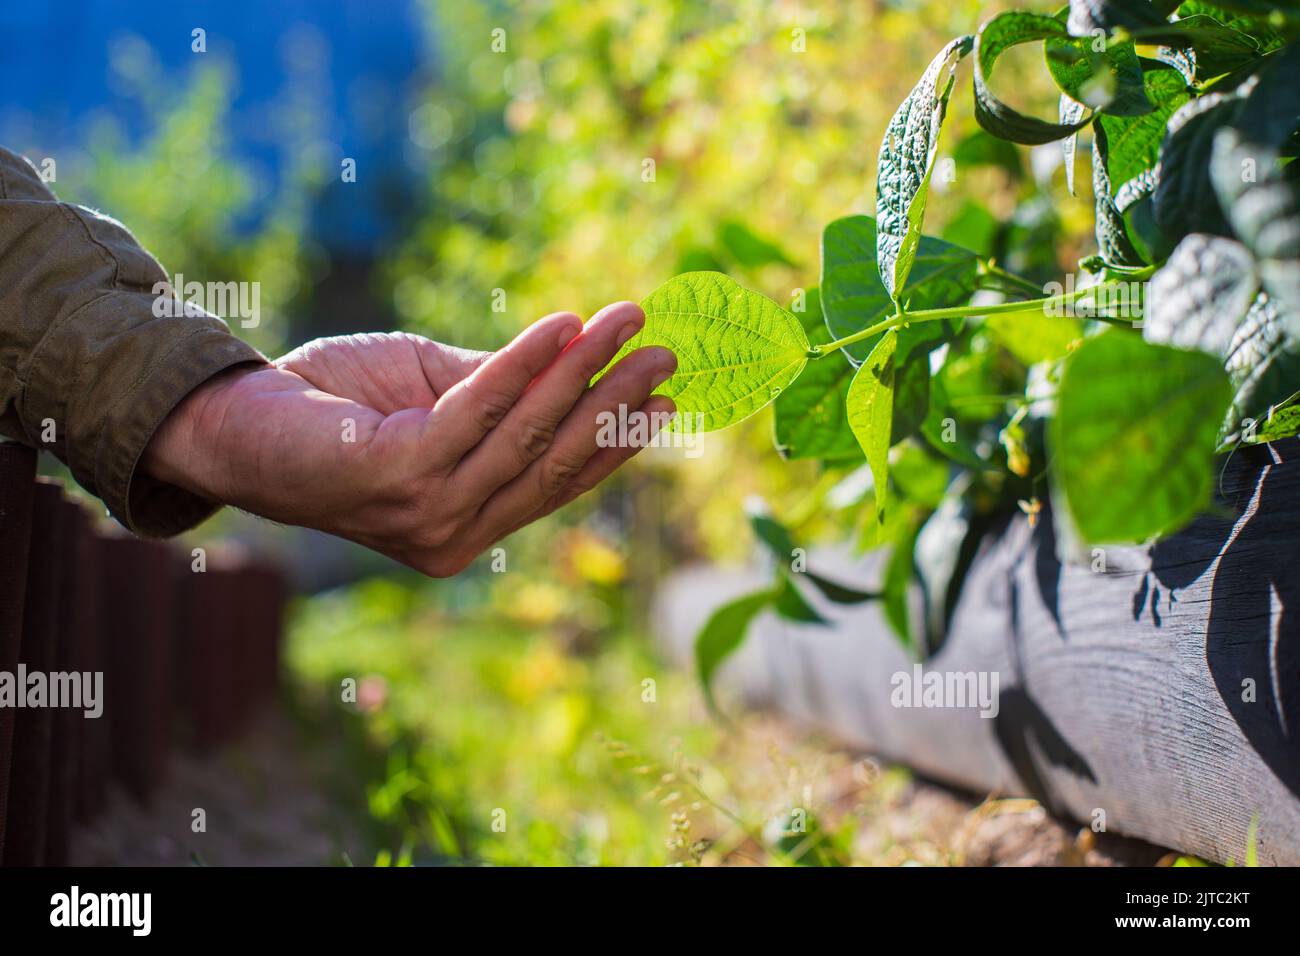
<point x="188" y="646"/>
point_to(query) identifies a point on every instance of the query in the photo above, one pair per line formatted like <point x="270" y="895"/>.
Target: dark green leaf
<point x="1271" y="114"/>
<point x="911" y="396"/>
<point x="1133" y="142"/>
<point x="1184" y="201"/>
<point x="981" y="149"/>
<point x="1262" y="361"/>
<point x="1265" y="209"/>
<point x="1109" y="78"/>
<point x="810" y="419"/>
<point x="722" y="634"/>
<point x="994" y="38"/>
<point x="1217" y="48"/>
<point x="1087" y="16"/>
<point x="776" y="537"/>
<point x="899" y="572"/>
<point x="748" y="248"/>
<point x="792" y="605"/>
<point x="1113" y="240"/>
<point x="972" y="227"/>
<point x="1199" y="297"/>
<point x="839" y="593"/>
<point x="943" y="432"/>
<point x="854" y="298"/>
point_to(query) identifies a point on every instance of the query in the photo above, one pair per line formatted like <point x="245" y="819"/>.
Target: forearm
<point x="88" y="368"/>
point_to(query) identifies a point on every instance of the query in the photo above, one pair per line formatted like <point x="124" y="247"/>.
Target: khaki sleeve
<point x="88" y="371"/>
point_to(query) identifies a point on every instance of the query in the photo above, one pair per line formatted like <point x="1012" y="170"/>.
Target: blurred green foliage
<point x="187" y="197"/>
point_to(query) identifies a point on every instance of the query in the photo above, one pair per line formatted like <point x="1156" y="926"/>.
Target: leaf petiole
<point x="960" y="312"/>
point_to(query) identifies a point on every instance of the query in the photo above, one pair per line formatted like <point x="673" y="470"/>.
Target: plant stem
<point x="902" y="318"/>
<point x="990" y="268"/>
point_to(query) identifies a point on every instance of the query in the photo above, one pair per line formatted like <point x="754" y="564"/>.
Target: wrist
<point x="184" y="451"/>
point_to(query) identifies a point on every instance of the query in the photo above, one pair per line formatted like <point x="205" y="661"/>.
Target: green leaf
<point x="840" y="593"/>
<point x="809" y="418"/>
<point x="911" y="395"/>
<point x="792" y="605"/>
<point x="776" y="537"/>
<point x="1113" y="241"/>
<point x="722" y="634"/>
<point x="854" y="298"/>
<point x="981" y="149"/>
<point x="1264" y="206"/>
<point x="736" y="350"/>
<point x="748" y="248"/>
<point x="1283" y="423"/>
<point x="994" y="38"/>
<point x="1089" y="15"/>
<point x="972" y="227"/>
<point x="942" y="432"/>
<point x="1109" y="79"/>
<point x="1133" y="142"/>
<point x="920" y="475"/>
<point x="1199" y="297"/>
<point x="871" y="412"/>
<point x="1184" y="200"/>
<point x="1219" y="49"/>
<point x="905" y="162"/>
<point x="899" y="572"/>
<point x="1271" y="113"/>
<point x="1133" y="438"/>
<point x="1034" y="337"/>
<point x="1262" y="361"/>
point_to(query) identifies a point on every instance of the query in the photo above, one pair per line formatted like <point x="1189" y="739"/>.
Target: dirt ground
<point x="274" y="800"/>
<point x="269" y="801"/>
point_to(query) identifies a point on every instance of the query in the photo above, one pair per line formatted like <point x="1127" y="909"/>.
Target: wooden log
<point x="17" y="483"/>
<point x="65" y="754"/>
<point x="139" y="619"/>
<point x="94" y="748"/>
<point x="1162" y="692"/>
<point x="33" y="748"/>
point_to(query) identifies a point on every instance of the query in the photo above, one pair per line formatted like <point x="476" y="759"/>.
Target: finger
<point x="474" y="406"/>
<point x="659" y="409"/>
<point x="584" y="433"/>
<point x="600" y="466"/>
<point x="530" y="427"/>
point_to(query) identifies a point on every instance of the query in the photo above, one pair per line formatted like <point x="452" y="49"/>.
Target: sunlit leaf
<point x="1134" y="434"/>
<point x="736" y="350"/>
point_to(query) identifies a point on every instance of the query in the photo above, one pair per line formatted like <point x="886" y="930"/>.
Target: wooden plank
<point x="1125" y="691"/>
<point x="17" y="484"/>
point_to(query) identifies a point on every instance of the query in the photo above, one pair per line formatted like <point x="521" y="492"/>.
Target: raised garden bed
<point x="1126" y="691"/>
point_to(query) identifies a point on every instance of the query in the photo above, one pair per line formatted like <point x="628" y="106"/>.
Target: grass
<point x="485" y="738"/>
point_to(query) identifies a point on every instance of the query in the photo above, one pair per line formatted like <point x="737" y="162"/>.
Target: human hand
<point x="424" y="452"/>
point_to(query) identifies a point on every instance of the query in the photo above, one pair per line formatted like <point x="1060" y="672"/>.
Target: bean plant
<point x="968" y="388"/>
